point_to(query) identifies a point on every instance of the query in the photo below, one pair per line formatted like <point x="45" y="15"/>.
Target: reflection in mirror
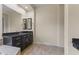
<point x="27" y="23"/>
<point x="12" y="20"/>
<point x="5" y="22"/>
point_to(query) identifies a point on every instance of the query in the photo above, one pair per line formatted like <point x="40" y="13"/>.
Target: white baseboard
<point x="60" y="46"/>
<point x="45" y="43"/>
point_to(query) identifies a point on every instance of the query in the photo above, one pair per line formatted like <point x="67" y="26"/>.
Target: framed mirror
<point x="27" y="22"/>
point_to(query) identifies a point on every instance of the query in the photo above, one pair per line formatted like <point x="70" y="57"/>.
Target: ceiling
<point x="39" y="5"/>
<point x="31" y="6"/>
<point x="8" y="10"/>
<point x="26" y="5"/>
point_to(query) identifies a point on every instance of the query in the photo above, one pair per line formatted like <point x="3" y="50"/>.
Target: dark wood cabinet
<point x="22" y="39"/>
<point x="16" y="41"/>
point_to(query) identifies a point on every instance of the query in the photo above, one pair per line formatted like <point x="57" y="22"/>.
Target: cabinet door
<point x="30" y="36"/>
<point x="16" y="41"/>
<point x="25" y="40"/>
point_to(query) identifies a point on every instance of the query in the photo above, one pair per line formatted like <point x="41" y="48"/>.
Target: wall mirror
<point x="11" y="20"/>
<point x="27" y="22"/>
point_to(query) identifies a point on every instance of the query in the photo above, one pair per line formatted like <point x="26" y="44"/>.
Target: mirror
<point x="11" y="20"/>
<point x="5" y="22"/>
<point x="14" y="22"/>
<point x="27" y="23"/>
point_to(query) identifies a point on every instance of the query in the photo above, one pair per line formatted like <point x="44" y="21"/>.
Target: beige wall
<point x="0" y="21"/>
<point x="73" y="29"/>
<point x="66" y="29"/>
<point x="49" y="25"/>
<point x="61" y="25"/>
<point x="1" y="41"/>
<point x="15" y="23"/>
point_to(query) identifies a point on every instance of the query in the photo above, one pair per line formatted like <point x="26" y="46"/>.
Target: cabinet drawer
<point x="16" y="39"/>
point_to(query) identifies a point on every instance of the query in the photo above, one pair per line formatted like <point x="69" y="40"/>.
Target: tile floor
<point x="39" y="49"/>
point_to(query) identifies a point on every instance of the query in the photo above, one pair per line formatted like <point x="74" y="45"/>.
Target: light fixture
<point x="26" y="7"/>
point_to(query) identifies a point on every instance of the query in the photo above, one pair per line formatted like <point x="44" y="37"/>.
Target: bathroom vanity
<point x="18" y="39"/>
<point x="17" y="30"/>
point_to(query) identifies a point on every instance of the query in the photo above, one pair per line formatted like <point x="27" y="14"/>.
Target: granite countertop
<point x="16" y="35"/>
<point x="8" y="50"/>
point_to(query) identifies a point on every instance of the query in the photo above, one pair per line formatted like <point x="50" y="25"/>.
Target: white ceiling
<point x="40" y="5"/>
<point x="31" y="6"/>
<point x="26" y="5"/>
<point x="37" y="5"/>
<point x="8" y="10"/>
